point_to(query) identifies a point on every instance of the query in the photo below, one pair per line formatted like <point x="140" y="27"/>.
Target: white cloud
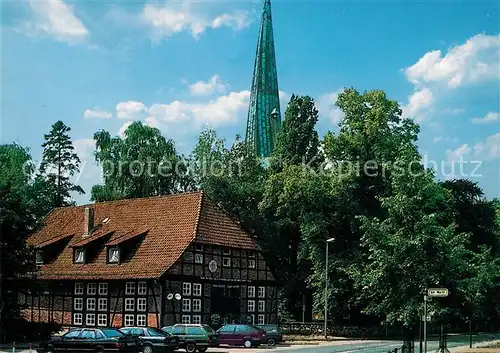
<point x="459" y="153"/>
<point x="202" y="88"/>
<point x="238" y="20"/>
<point x="418" y="104"/>
<point x="223" y="110"/>
<point x="326" y="107"/>
<point x="474" y="61"/>
<point x="173" y="18"/>
<point x="437" y="139"/>
<point x="130" y="110"/>
<point x="57" y="19"/>
<point x="83" y="147"/>
<point x="488" y="149"/>
<point x="483" y="150"/>
<point x="96" y="113"/>
<point x="491" y="117"/>
<point x="124" y="127"/>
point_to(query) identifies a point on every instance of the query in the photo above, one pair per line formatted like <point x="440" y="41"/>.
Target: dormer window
<point x="79" y="256"/>
<point x="114" y="255"/>
<point x="39" y="257"/>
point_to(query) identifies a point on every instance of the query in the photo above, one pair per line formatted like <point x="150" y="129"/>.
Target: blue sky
<point x="179" y="65"/>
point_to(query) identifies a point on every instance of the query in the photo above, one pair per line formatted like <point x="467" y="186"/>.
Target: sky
<point x="183" y="65"/>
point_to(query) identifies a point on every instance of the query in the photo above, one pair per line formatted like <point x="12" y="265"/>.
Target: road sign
<point x="437" y="292"/>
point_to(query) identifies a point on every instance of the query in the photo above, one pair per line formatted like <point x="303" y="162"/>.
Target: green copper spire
<point x="264" y="117"/>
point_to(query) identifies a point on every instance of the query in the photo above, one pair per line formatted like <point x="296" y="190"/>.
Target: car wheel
<point x="147" y="349"/>
<point x="271" y="342"/>
<point x="202" y="350"/>
<point x="190" y="347"/>
<point x="247" y="344"/>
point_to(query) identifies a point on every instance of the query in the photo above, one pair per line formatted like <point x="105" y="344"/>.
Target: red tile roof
<point x="171" y="223"/>
<point x="126" y="237"/>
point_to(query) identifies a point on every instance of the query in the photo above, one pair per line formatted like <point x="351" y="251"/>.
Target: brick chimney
<point x="88" y="221"/>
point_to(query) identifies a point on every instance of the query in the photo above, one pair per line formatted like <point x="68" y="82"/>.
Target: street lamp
<point x="326" y="284"/>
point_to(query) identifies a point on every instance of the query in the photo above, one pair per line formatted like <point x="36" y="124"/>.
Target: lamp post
<point x="326" y="285"/>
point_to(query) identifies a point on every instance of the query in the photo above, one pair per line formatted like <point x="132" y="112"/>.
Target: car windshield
<point x="110" y="332"/>
<point x="209" y="329"/>
<point x="155" y="332"/>
<point x="167" y="329"/>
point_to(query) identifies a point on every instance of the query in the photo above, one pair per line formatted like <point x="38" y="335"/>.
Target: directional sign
<point x="437" y="292"/>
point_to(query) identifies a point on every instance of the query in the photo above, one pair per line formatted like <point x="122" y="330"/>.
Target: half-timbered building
<point x="151" y="261"/>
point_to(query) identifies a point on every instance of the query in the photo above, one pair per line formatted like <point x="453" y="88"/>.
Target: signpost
<point x="436" y="293"/>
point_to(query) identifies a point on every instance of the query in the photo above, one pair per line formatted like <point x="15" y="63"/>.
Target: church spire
<point x="264" y="116"/>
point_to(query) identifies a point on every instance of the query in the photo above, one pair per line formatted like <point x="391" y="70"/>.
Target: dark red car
<point x="241" y="335"/>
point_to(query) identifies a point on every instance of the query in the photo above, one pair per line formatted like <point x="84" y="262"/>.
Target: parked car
<point x="152" y="339"/>
<point x="193" y="337"/>
<point x="273" y="334"/>
<point x="91" y="339"/>
<point x="241" y="335"/>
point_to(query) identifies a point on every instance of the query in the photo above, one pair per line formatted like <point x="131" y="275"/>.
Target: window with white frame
<point x="197" y="319"/>
<point x="253" y="319"/>
<point x="78" y="304"/>
<point x="198" y="247"/>
<point x="102" y="320"/>
<point x="226" y="262"/>
<point x="186" y="288"/>
<point x="186" y="305"/>
<point x="226" y="251"/>
<point x="114" y="255"/>
<point x="79" y="256"/>
<point x="90" y="320"/>
<point x="103" y="289"/>
<point x="251" y="291"/>
<point x="251" y="305"/>
<point x="91" y="288"/>
<point x="142" y="288"/>
<point x="262" y="292"/>
<point x="78" y="288"/>
<point x="261" y="319"/>
<point x="141" y="304"/>
<point x="90" y="303"/>
<point x="251" y="263"/>
<point x="102" y="304"/>
<point x="197" y="289"/>
<point x="186" y="319"/>
<point x="198" y="258"/>
<point x="197" y="305"/>
<point x="129" y="320"/>
<point x="129" y="304"/>
<point x="130" y="288"/>
<point x="262" y="305"/>
<point x="141" y="320"/>
<point x="77" y="319"/>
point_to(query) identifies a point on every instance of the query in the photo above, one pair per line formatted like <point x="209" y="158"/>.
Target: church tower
<point x="264" y="116"/>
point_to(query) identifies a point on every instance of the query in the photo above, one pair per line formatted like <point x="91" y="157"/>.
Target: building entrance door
<point x="225" y="301"/>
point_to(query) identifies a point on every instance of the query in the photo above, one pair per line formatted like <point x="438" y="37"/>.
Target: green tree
<point x="23" y="201"/>
<point x="415" y="245"/>
<point x="59" y="164"/>
<point x="142" y="163"/>
<point x="298" y="141"/>
<point x="16" y="257"/>
<point x="17" y="173"/>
